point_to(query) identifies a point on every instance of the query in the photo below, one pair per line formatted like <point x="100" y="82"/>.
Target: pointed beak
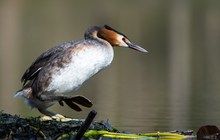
<point x="136" y="47"/>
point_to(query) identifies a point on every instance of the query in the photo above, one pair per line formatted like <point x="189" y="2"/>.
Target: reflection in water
<point x="174" y="87"/>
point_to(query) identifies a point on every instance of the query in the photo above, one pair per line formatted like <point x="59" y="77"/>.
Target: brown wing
<point x="42" y="61"/>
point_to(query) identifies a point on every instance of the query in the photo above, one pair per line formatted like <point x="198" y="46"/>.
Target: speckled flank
<point x="82" y="64"/>
<point x="54" y="65"/>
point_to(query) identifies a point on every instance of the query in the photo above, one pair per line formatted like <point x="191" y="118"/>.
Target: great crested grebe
<point x="57" y="73"/>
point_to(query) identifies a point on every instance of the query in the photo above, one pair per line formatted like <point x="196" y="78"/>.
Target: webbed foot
<point x="73" y="101"/>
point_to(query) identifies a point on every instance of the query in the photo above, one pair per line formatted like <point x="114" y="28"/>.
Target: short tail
<point x="24" y="93"/>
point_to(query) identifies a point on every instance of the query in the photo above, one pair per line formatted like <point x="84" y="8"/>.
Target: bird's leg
<point x="50" y="97"/>
<point x="79" y="99"/>
<point x="72" y="102"/>
<point x="46" y="112"/>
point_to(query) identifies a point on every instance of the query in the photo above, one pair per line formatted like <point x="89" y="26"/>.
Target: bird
<point x="60" y="71"/>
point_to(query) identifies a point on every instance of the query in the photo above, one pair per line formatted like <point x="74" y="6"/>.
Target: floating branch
<point x="84" y="127"/>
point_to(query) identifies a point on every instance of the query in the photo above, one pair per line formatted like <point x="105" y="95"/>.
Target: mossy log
<point x="15" y="127"/>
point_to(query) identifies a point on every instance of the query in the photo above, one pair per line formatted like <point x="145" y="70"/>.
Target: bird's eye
<point x="124" y="39"/>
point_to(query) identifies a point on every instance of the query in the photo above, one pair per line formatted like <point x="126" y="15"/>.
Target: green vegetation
<point x="14" y="127"/>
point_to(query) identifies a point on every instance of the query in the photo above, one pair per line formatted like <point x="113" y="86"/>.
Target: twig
<point x="85" y="125"/>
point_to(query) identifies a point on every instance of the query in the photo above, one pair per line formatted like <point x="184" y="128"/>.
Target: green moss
<point x="15" y="127"/>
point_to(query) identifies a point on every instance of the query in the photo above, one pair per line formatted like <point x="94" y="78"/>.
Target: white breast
<point x="83" y="65"/>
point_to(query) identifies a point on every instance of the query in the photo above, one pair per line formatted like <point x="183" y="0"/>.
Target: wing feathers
<point x="41" y="62"/>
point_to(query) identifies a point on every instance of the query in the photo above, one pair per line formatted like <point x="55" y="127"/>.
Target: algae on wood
<point x="14" y="127"/>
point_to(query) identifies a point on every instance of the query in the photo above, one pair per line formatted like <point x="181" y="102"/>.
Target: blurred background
<point x="174" y="87"/>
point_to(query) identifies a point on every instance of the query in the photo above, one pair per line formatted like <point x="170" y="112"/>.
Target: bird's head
<point x="116" y="38"/>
